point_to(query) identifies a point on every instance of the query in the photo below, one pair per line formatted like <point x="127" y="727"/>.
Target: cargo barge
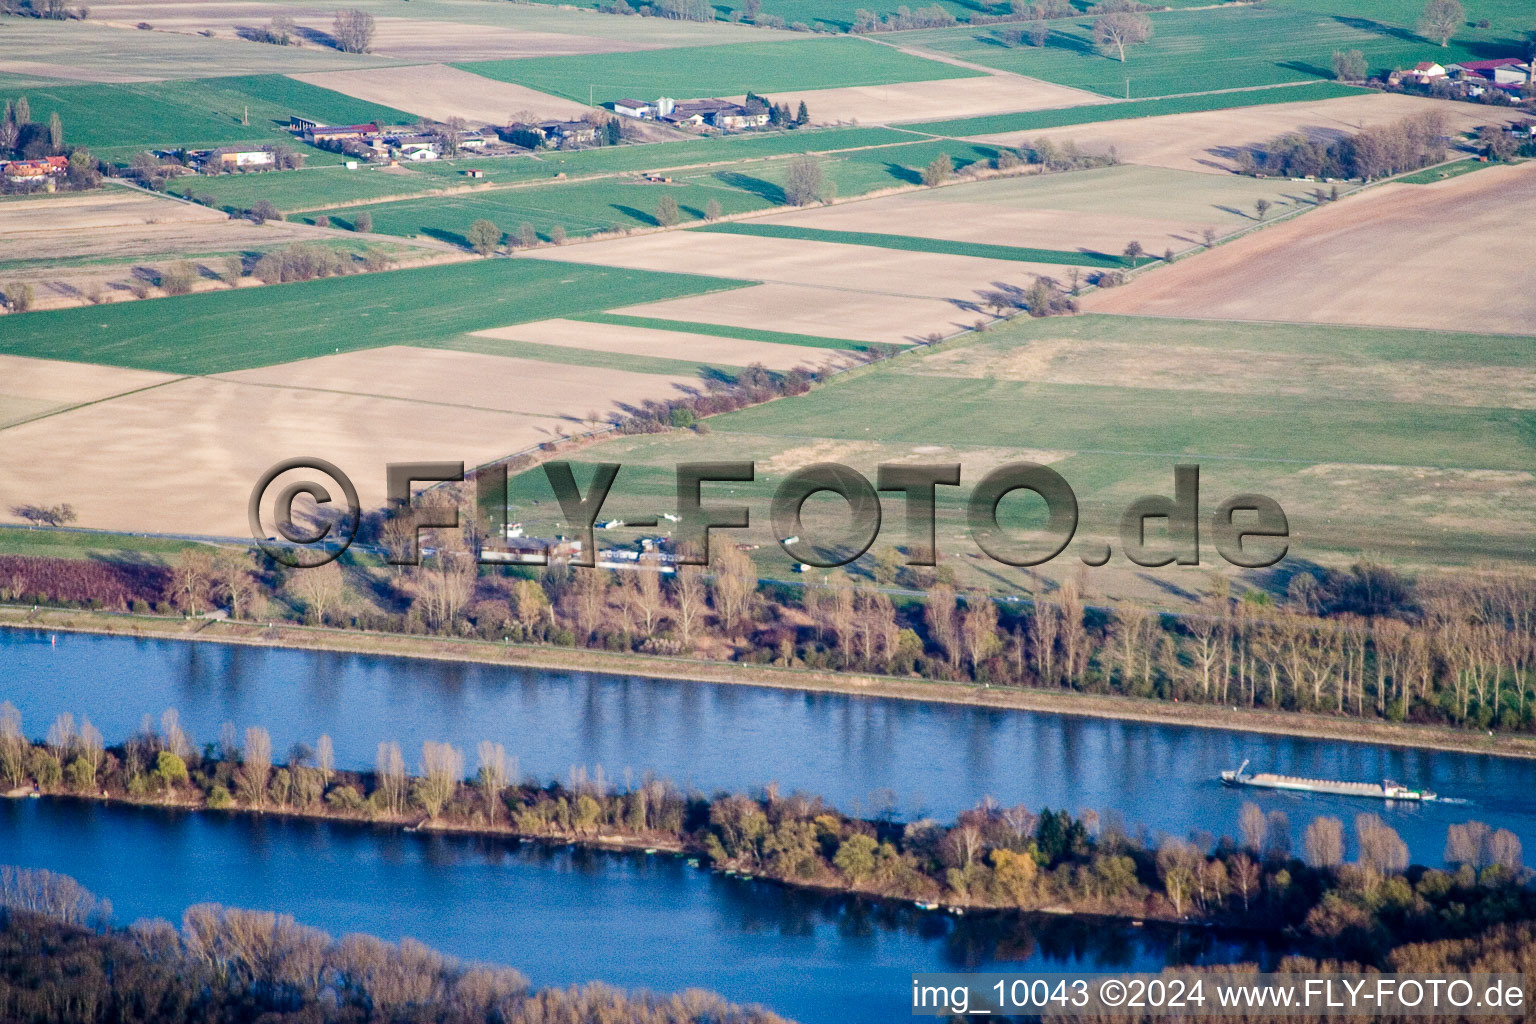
<point x="1384" y="790"/>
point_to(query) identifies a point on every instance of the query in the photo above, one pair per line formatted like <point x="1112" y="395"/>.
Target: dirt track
<point x="1454" y="255"/>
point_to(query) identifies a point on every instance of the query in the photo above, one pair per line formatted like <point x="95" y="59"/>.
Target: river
<point x="562" y="915"/>
<point x="566" y="915"/>
<point x="862" y="753"/>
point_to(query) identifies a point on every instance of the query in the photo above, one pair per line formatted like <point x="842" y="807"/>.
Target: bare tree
<point x="233" y="581"/>
<point x="492" y="777"/>
<point x="642" y="594"/>
<point x="803" y="183"/>
<point x="176" y="739"/>
<point x="255" y="766"/>
<point x="62" y="736"/>
<point x="1177" y="863"/>
<point x="191" y="572"/>
<point x="325" y="758"/>
<point x="1118" y="30"/>
<point x="735" y="583"/>
<point x="442" y="766"/>
<point x="943" y="617"/>
<point x="320" y="589"/>
<point x="13" y="746"/>
<point x="979" y="630"/>
<point x="1440" y="20"/>
<point x="1323" y="842"/>
<point x="688" y="597"/>
<point x="1381" y="848"/>
<point x="389" y="775"/>
<point x="353" y="31"/>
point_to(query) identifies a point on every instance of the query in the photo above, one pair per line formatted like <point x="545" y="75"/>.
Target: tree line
<point x="991" y="856"/>
<point x="1363" y="643"/>
<point x="1378" y="151"/>
<point x="61" y="962"/>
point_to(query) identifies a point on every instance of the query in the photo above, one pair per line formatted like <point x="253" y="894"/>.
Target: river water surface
<point x="566" y="915"/>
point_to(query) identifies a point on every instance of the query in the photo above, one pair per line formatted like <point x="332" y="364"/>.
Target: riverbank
<point x="1063" y="702"/>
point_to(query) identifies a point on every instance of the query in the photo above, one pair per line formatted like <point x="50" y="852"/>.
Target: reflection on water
<point x="564" y="915"/>
<point x="862" y="753"/>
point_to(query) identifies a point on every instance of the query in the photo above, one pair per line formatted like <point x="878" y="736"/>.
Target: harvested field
<point x="434" y="30"/>
<point x="42" y="216"/>
<point x="1242" y="371"/>
<point x="825" y="311"/>
<point x="921" y="101"/>
<point x="396" y="38"/>
<point x="645" y="341"/>
<point x="1089" y="211"/>
<point x="95" y="51"/>
<point x="1212" y="140"/>
<point x="440" y="92"/>
<point x="96" y="242"/>
<point x="1450" y="255"/>
<point x="35" y="387"/>
<point x="470" y="380"/>
<point x="213" y="439"/>
<point x="824" y="264"/>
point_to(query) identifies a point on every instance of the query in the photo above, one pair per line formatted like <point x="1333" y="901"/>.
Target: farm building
<point x="1499" y="71"/>
<point x="231" y="158"/>
<point x="722" y="114"/>
<point x="634" y="108"/>
<point x="25" y="171"/>
<point x="340" y="133"/>
<point x="549" y="133"/>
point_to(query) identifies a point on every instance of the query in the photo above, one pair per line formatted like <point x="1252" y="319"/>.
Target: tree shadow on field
<point x="1276" y="580"/>
<point x="648" y="219"/>
<point x="901" y="172"/>
<point x="759" y="187"/>
<point x="451" y="237"/>
<point x="1306" y="68"/>
<point x="1172" y="588"/>
<point x="318" y="37"/>
<point x="1377" y="28"/>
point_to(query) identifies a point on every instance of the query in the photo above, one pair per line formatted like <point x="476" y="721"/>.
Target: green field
<point x="1199" y="50"/>
<point x="1430" y="175"/>
<point x="914" y="243"/>
<point x="1295" y="412"/>
<point x="215" y="332"/>
<point x="1063" y="117"/>
<point x="581" y="208"/>
<point x="303" y="189"/>
<point x="323" y="183"/>
<point x="814" y="63"/>
<point x="606" y="204"/>
<point x="197" y="114"/>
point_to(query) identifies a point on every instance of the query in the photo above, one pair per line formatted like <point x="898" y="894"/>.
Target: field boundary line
<point x="96" y="401"/>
